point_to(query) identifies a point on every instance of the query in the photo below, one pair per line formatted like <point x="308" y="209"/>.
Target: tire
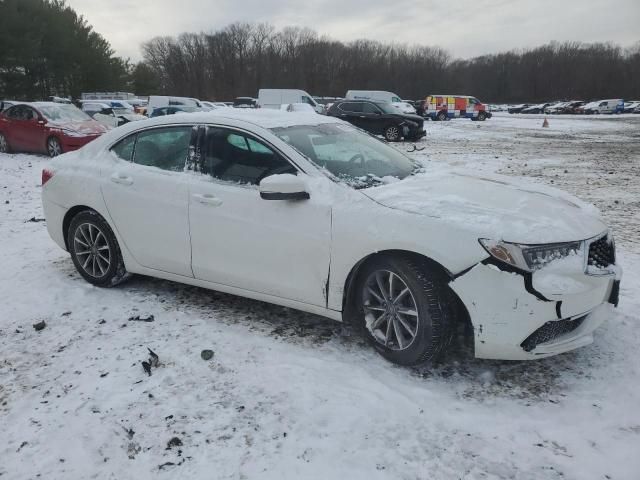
<point x="95" y="251"/>
<point x="4" y="144"/>
<point x="392" y="133"/>
<point x="422" y="316"/>
<point x="442" y="116"/>
<point x="482" y="116"/>
<point x="54" y="148"/>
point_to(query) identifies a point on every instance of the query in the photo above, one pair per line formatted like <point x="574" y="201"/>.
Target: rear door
<point x="146" y="193"/>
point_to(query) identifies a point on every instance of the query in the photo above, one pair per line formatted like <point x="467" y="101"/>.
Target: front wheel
<point x="442" y="116"/>
<point x="54" y="148"/>
<point x="405" y="310"/>
<point x="482" y="117"/>
<point x="95" y="251"/>
<point x="392" y="133"/>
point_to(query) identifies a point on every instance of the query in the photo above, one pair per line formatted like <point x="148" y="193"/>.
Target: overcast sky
<point x="464" y="27"/>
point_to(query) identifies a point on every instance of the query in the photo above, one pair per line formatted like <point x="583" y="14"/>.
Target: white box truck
<point x="276" y="97"/>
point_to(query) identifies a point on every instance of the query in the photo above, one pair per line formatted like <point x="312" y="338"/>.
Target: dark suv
<point x="379" y="118"/>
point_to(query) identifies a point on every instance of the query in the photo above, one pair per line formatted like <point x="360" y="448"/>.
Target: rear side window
<point x="370" y="108"/>
<point x="234" y="157"/>
<point x="165" y="148"/>
<point x="355" y="107"/>
<point x="124" y="148"/>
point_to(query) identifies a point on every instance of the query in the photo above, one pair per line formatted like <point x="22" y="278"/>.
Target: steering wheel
<point x="357" y="157"/>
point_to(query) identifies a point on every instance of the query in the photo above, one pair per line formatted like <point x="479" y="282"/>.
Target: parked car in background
<point x="212" y="105"/>
<point x="405" y="107"/>
<point x="157" y="101"/>
<point x="631" y="107"/>
<point x="518" y="108"/>
<point x="162" y="111"/>
<point x="275" y="97"/>
<point x="245" y="102"/>
<point x="539" y="108"/>
<point x="46" y="127"/>
<point x="7" y="103"/>
<point x="111" y="116"/>
<point x="298" y="107"/>
<point x="314" y="214"/>
<point x="444" y="107"/>
<point x="379" y="118"/>
<point x="610" y="106"/>
<point x="573" y="107"/>
<point x="555" y="108"/>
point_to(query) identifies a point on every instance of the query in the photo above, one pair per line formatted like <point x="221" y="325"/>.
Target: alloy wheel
<point x="390" y="310"/>
<point x="92" y="250"/>
<point x="53" y="147"/>
<point x="4" y="146"/>
<point x="392" y="133"/>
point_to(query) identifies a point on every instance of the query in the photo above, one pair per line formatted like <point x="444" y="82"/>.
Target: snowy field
<point x="289" y="395"/>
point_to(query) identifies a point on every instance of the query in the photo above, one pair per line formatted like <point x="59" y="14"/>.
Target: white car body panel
<point x="132" y="191"/>
<point x="300" y="254"/>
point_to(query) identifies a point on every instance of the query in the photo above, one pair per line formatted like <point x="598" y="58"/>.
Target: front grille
<point x="602" y="253"/>
<point x="550" y="331"/>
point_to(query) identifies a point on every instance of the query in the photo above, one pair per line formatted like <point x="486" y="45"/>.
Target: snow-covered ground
<point x="287" y="395"/>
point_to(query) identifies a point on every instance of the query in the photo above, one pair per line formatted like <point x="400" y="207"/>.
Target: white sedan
<point x="309" y="212"/>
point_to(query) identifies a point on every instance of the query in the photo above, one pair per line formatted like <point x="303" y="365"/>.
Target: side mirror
<point x="283" y="187"/>
<point x="41" y="121"/>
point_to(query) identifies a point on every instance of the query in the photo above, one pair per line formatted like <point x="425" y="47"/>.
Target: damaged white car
<point x="309" y="212"/>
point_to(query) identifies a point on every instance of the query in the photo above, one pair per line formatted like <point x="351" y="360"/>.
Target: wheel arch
<point x="349" y="291"/>
<point x="68" y="217"/>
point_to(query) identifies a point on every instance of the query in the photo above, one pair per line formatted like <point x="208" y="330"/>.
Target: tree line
<point x="243" y="57"/>
<point x="46" y="48"/>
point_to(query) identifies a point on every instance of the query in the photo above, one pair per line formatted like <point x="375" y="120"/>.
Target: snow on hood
<point x="88" y="127"/>
<point x="493" y="206"/>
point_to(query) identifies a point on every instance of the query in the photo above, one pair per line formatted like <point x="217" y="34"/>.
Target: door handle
<point x="121" y="178"/>
<point x="207" y="199"/>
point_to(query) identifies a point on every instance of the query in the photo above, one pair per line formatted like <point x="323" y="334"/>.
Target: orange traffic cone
<point x="545" y="124"/>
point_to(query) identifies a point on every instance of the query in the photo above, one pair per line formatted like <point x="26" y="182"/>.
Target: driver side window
<point x="234" y="157"/>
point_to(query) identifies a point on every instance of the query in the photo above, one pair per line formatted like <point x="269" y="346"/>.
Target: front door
<point x="145" y="190"/>
<point x="274" y="247"/>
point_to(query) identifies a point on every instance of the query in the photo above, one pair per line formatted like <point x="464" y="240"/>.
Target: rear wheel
<point x="392" y="133"/>
<point x="4" y="145"/>
<point x="95" y="251"/>
<point x="404" y="309"/>
<point x="442" y="116"/>
<point x="54" y="148"/>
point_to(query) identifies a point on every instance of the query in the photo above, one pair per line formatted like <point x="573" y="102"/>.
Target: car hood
<point x="493" y="206"/>
<point x="408" y="116"/>
<point x="87" y="127"/>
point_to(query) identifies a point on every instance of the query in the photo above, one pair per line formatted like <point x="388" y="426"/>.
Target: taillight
<point x="46" y="175"/>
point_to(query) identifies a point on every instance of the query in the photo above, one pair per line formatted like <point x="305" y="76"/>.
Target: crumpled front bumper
<point x="514" y="321"/>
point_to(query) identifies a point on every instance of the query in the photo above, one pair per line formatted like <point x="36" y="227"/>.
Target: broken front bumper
<point x="513" y="321"/>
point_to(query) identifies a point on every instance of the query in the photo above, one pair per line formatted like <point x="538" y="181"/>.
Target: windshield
<point x="352" y="156"/>
<point x="64" y="113"/>
<point x="387" y="107"/>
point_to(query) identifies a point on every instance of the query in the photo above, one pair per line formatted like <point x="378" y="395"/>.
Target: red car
<point x="46" y="127"/>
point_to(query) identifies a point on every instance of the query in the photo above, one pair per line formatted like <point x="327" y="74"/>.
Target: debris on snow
<point x="206" y="354"/>
<point x="40" y="325"/>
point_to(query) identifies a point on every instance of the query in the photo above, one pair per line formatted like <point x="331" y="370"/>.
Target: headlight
<point x="529" y="257"/>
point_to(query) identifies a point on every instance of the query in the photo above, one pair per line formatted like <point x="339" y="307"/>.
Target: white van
<point x="615" y="105"/>
<point x="157" y="101"/>
<point x="381" y="96"/>
<point x="275" y="97"/>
